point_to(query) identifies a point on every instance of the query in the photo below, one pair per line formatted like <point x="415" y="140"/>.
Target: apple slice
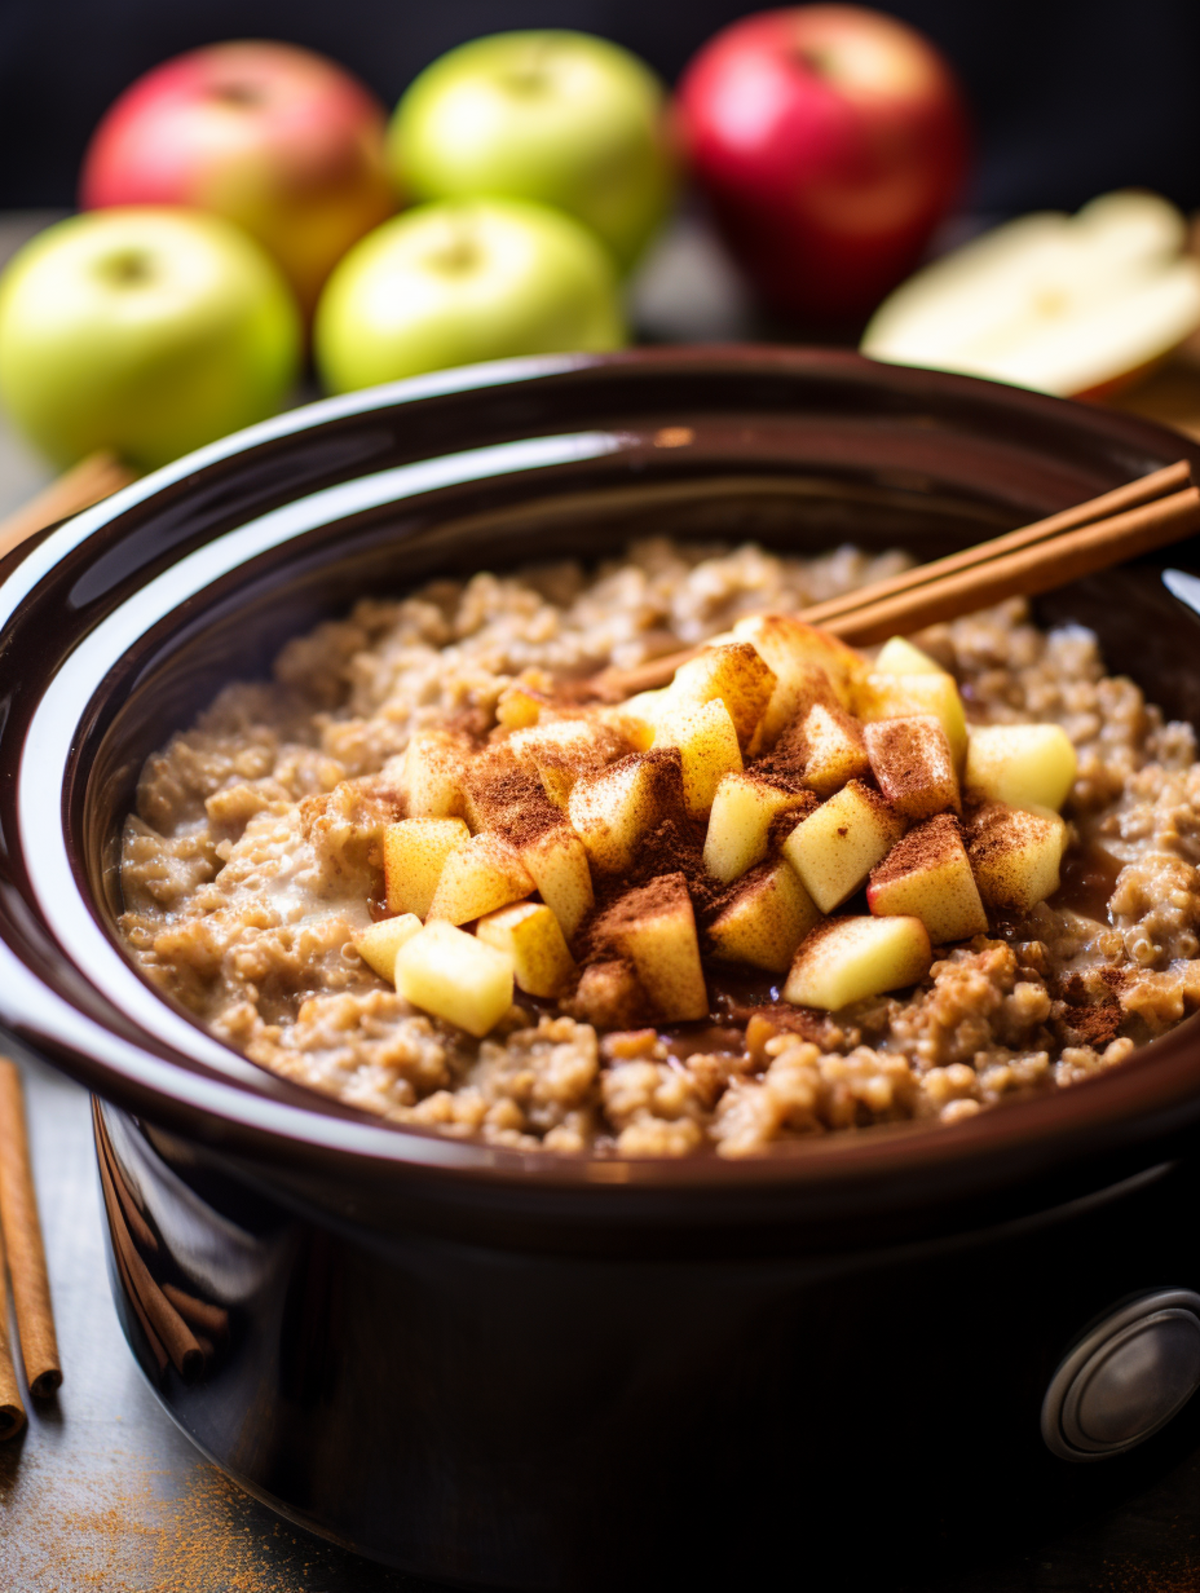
<point x="740" y="822"/>
<point x="447" y="972"/>
<point x="655" y="928"/>
<point x="707" y="741"/>
<point x="1023" y="765"/>
<point x="610" y="996"/>
<point x="430" y="778"/>
<point x="884" y="696"/>
<point x="926" y="875"/>
<point x="1015" y="855"/>
<point x="911" y="760"/>
<point x="835" y="848"/>
<point x="736" y="674"/>
<point x="414" y="855"/>
<point x="378" y="945"/>
<point x="766" y="919"/>
<point x="480" y="875"/>
<point x="529" y="935"/>
<point x="612" y="809"/>
<point x="1070" y="305"/>
<point x="850" y="959"/>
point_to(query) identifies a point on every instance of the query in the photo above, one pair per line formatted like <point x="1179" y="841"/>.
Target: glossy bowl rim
<point x="1159" y="1089"/>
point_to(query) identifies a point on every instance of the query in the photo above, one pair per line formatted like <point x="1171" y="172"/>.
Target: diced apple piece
<point x="882" y="696"/>
<point x="378" y="945"/>
<point x="557" y="862"/>
<point x="849" y="959"/>
<point x="414" y="855"/>
<point x="835" y="848"/>
<point x="768" y="917"/>
<point x="447" y="972"/>
<point x="480" y="875"/>
<point x="708" y="748"/>
<point x="831" y="745"/>
<point x="655" y="928"/>
<point x="558" y="751"/>
<point x="529" y="935"/>
<point x="519" y="706"/>
<point x="496" y="788"/>
<point x="637" y="717"/>
<point x="739" y="824"/>
<point x="610" y="996"/>
<point x="926" y="875"/>
<point x="1023" y="765"/>
<point x="785" y="642"/>
<point x="736" y="674"/>
<point x="899" y="657"/>
<point x="912" y="761"/>
<point x="612" y="809"/>
<point x="430" y="779"/>
<point x="1015" y="855"/>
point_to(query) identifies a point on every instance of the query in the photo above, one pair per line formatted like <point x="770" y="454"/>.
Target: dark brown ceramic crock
<point x="548" y="1371"/>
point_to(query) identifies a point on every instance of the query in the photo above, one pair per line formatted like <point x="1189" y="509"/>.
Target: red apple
<point x="830" y="141"/>
<point x="272" y="137"/>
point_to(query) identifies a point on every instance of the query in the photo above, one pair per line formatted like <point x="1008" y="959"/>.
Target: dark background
<point x="1071" y="97"/>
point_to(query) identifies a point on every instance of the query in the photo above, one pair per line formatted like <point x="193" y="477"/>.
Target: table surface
<point x="103" y="1492"/>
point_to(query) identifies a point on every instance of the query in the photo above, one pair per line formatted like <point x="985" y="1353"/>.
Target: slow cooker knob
<point x="1126" y="1377"/>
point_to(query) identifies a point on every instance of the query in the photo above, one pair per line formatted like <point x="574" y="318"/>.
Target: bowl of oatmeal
<point x="477" y="1024"/>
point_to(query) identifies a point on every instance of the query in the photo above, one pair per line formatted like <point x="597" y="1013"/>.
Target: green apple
<point x="463" y="281"/>
<point x="559" y="117"/>
<point x="148" y="331"/>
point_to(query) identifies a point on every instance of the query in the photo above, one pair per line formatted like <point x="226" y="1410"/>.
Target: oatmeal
<point x="797" y="892"/>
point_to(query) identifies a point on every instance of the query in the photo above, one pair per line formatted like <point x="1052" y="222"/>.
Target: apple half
<point x="1079" y="306"/>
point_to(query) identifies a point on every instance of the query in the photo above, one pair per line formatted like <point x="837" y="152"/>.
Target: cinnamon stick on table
<point x="12" y="1410"/>
<point x="23" y="1241"/>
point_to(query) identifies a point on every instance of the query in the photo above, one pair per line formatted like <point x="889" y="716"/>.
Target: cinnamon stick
<point x="23" y="1241"/>
<point x="1145" y="489"/>
<point x="200" y="1315"/>
<point x="168" y="1327"/>
<point x="143" y="1235"/>
<point x="93" y="478"/>
<point x="12" y="1409"/>
<point x="1021" y="563"/>
<point x="1026" y="573"/>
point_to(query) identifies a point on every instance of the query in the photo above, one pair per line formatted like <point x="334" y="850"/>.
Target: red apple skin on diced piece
<point x="852" y="958"/>
<point x="766" y="919"/>
<point x="927" y="875"/>
<point x="835" y="848"/>
<point x="1015" y="855"/>
<point x="912" y="761"/>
